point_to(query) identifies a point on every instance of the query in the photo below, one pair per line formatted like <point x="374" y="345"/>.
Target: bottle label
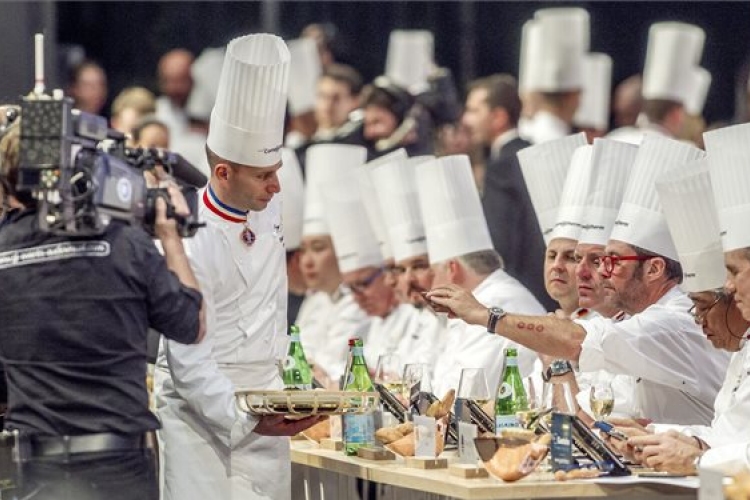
<point x="289" y="363"/>
<point x="295" y="337"/>
<point x="358" y="351"/>
<point x="511" y="361"/>
<point x="359" y="429"/>
<point x="505" y="422"/>
<point x="505" y="391"/>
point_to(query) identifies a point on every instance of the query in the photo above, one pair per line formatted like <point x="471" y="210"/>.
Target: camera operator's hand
<point x="165" y="229"/>
<point x="178" y="200"/>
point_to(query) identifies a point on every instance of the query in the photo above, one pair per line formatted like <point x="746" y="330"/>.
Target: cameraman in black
<point x="73" y="323"/>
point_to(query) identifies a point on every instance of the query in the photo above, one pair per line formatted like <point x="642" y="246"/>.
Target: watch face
<point x="559" y="367"/>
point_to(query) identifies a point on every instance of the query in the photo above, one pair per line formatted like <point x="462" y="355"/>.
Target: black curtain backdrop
<point x="472" y="38"/>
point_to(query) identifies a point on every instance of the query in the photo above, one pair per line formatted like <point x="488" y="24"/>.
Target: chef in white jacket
<point x="566" y="179"/>
<point x="329" y="316"/>
<point x="688" y="203"/>
<point x="671" y="78"/>
<point x="461" y="251"/>
<point x="395" y="185"/>
<point x="553" y="47"/>
<point x="360" y="259"/>
<point x="660" y="344"/>
<point x="211" y="449"/>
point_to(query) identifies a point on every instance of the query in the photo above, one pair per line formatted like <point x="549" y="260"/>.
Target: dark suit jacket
<point x="513" y="224"/>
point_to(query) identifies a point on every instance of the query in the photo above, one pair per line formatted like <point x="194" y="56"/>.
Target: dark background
<point x="471" y="38"/>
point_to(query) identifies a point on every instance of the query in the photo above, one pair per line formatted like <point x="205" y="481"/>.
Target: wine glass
<point x="413" y="373"/>
<point x="473" y="386"/>
<point x="559" y="395"/>
<point x="388" y="373"/>
<point x="602" y="399"/>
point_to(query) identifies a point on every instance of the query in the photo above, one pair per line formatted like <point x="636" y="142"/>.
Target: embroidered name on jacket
<point x="53" y="252"/>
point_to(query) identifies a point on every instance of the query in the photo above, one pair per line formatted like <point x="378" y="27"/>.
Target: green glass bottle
<point x="297" y="374"/>
<point x="511" y="396"/>
<point x="359" y="429"/>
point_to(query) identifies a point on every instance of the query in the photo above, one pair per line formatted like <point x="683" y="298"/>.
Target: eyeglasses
<point x="609" y="262"/>
<point x="699" y="315"/>
<point x="362" y="285"/>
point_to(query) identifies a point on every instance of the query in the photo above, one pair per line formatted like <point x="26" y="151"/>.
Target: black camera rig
<point x="82" y="176"/>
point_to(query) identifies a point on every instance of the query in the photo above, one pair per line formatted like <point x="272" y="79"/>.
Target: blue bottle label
<point x="505" y="422"/>
<point x="359" y="429"/>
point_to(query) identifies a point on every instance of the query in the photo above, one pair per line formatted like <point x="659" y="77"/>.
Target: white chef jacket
<point x="623" y="386"/>
<point x="385" y="334"/>
<point x="326" y="324"/>
<point x="209" y="448"/>
<point x="634" y="135"/>
<point x="471" y="346"/>
<point x="544" y="127"/>
<point x="731" y="409"/>
<point x="678" y="371"/>
<point x="422" y="341"/>
<point x="730" y="458"/>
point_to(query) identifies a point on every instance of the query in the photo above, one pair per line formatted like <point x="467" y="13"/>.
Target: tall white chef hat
<point x="728" y="160"/>
<point x="687" y="200"/>
<point x="292" y="198"/>
<point x="205" y="71"/>
<point x="701" y="83"/>
<point x="593" y="111"/>
<point x="370" y="199"/>
<point x="544" y="167"/>
<point x="396" y="187"/>
<point x="353" y="237"/>
<point x="640" y="221"/>
<point x="410" y="59"/>
<point x="531" y="38"/>
<point x="247" y="122"/>
<point x="304" y="71"/>
<point x="451" y="209"/>
<point x="611" y="162"/>
<point x="574" y="194"/>
<point x="674" y="49"/>
<point x="318" y="160"/>
<point x="552" y="57"/>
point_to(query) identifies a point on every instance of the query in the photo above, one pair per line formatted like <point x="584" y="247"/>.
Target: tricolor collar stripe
<point x="220" y="209"/>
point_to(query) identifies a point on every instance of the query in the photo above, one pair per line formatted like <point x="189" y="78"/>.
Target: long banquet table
<point x="321" y="474"/>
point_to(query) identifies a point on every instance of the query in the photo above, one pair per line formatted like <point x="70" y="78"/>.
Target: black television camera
<point x="82" y="176"/>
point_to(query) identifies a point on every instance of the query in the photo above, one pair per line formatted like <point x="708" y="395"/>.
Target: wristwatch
<point x="496" y="314"/>
<point x="556" y="368"/>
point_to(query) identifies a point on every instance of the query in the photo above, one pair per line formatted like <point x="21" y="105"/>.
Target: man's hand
<point x="460" y="304"/>
<point x="277" y="425"/>
<point x="625" y="448"/>
<point x="669" y="452"/>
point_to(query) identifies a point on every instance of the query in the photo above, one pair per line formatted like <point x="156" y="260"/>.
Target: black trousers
<point x="122" y="475"/>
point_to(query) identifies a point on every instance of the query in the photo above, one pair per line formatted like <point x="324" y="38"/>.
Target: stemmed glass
<point x="473" y="386"/>
<point x="602" y="399"/>
<point x="412" y="379"/>
<point x="388" y="373"/>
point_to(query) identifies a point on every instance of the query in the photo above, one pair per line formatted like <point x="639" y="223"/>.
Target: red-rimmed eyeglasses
<point x="608" y="262"/>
